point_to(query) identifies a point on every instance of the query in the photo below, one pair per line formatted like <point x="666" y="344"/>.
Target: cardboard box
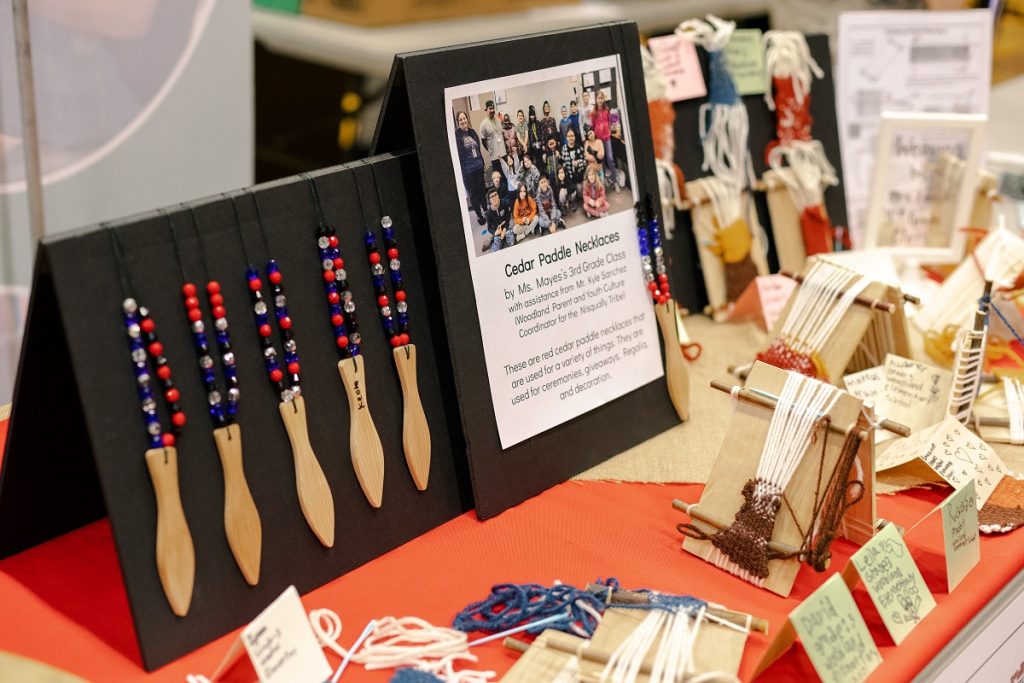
<point x="376" y="13"/>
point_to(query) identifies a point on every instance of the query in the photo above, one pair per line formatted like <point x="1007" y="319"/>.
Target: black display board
<point x="685" y="263"/>
<point x="414" y="115"/>
<point x="76" y="441"/>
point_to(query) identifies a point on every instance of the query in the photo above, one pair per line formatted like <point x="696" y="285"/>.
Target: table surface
<point x="65" y="603"/>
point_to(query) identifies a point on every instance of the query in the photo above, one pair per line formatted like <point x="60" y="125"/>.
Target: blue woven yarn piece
<point x="661" y="601"/>
<point x="414" y="676"/>
<point x="721" y="89"/>
<point x="510" y="605"/>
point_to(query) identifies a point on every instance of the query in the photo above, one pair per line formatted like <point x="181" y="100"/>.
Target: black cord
<point x="359" y="198"/>
<point x="316" y="199"/>
<point x="202" y="248"/>
<point x="241" y="235"/>
<point x="259" y="221"/>
<point x="174" y="244"/>
<point x="127" y="287"/>
<point x="380" y="196"/>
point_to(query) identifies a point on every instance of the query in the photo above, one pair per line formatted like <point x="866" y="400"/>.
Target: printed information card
<point x="551" y="239"/>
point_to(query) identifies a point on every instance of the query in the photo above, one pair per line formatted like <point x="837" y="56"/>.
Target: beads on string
<point x="223" y="409"/>
<point x="284" y="378"/>
<point x="148" y="355"/>
<point x="652" y="255"/>
<point x="394" y="319"/>
<point x="341" y="305"/>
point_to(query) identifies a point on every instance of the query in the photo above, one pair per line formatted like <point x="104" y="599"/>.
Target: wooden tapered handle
<point x="315" y="497"/>
<point x="363" y="440"/>
<point x="175" y="554"/>
<point x="241" y="519"/>
<point x="415" y="432"/>
<point x="676" y="374"/>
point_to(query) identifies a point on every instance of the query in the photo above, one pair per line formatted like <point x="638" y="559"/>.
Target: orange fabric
<point x="64" y="602"/>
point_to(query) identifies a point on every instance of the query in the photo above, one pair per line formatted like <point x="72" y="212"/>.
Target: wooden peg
<point x="876" y="304"/>
<point x="676" y="374"/>
<point x="415" y="432"/>
<point x="363" y="440"/>
<point x="241" y="519"/>
<point x="314" y="494"/>
<point x="175" y="554"/>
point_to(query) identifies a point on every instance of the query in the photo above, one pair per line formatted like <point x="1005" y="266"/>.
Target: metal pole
<point x="29" y="128"/>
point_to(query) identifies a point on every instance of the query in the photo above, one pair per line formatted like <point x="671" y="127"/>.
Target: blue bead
<point x="251" y="273"/>
<point x="403" y="318"/>
<point x="232" y="408"/>
<point x="156" y="441"/>
<point x="151" y="416"/>
<point x="370" y="239"/>
<point x="231" y="371"/>
<point x="389" y="233"/>
<point x="378" y="280"/>
<point x="223" y="338"/>
<point x="353" y="349"/>
<point x="340" y="331"/>
<point x="209" y="375"/>
<point x="272" y="266"/>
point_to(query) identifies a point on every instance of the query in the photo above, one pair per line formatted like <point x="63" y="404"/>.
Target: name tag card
<point x="677" y="59"/>
<point x="745" y="56"/>
<point x="914" y="394"/>
<point x="894" y="582"/>
<point x="866" y="385"/>
<point x="282" y="646"/>
<point x="834" y="634"/>
<point x="960" y="534"/>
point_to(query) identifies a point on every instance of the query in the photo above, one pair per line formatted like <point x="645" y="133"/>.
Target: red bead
<point x="212" y="287"/>
<point x="163" y="372"/>
<point x="333" y="241"/>
<point x="382" y="300"/>
<point x="405" y="338"/>
<point x="216" y="300"/>
<point x="374" y="257"/>
<point x="662" y="299"/>
<point x="156" y="349"/>
<point x="392" y="253"/>
<point x="188" y="289"/>
<point x="178" y="419"/>
<point x="191" y="302"/>
<point x="337" y="320"/>
<point x="276" y="375"/>
<point x="293" y="368"/>
<point x="265" y="330"/>
<point x="400" y="295"/>
<point x="396" y="341"/>
<point x="147" y="325"/>
<point x="219" y="312"/>
<point x="333" y="297"/>
<point x="195" y="314"/>
<point x="339" y="263"/>
<point x="652" y="286"/>
<point x="285" y="323"/>
<point x="663" y="278"/>
<point x="328" y="276"/>
<point x="172" y="395"/>
<point x="342" y="341"/>
<point x="275" y="277"/>
<point x="664" y="287"/>
<point x="255" y="284"/>
<point x="168" y="440"/>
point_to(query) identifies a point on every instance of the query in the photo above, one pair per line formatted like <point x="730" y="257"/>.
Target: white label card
<point x="282" y="646"/>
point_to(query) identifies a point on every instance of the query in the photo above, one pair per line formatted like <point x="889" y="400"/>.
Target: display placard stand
<point x="76" y="442"/>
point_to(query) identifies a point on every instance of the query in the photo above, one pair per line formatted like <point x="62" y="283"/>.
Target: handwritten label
<point x="958" y="456"/>
<point x="894" y="582"/>
<point x="867" y="385"/>
<point x="677" y="59"/>
<point x="960" y="533"/>
<point x="773" y="291"/>
<point x="834" y="634"/>
<point x="915" y="394"/>
<point x="745" y="57"/>
<point x="281" y="643"/>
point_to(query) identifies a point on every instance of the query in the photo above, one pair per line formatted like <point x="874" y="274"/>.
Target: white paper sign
<point x="282" y="646"/>
<point x="909" y="61"/>
<point x="565" y="315"/>
<point x="914" y="393"/>
<point x="867" y="384"/>
<point x="677" y="59"/>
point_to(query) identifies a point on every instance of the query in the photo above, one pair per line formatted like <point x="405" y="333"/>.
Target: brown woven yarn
<point x="745" y="541"/>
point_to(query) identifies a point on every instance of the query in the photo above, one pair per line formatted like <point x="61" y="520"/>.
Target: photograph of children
<point x="536" y="156"/>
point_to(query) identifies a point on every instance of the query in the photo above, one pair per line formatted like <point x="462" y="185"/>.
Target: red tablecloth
<point x="63" y="602"/>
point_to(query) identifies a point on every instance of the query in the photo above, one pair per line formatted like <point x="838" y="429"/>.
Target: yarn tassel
<point x="510" y="605"/>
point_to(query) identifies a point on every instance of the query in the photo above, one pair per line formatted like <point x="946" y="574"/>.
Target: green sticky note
<point x="834" y="634"/>
<point x="894" y="582"/>
<point x="744" y="55"/>
<point x="960" y="533"/>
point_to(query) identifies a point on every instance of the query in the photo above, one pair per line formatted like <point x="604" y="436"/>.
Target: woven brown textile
<point x="738" y="276"/>
<point x="1005" y="507"/>
<point x="745" y="541"/>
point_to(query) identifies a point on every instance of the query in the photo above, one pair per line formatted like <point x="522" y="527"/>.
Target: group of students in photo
<point x="541" y="169"/>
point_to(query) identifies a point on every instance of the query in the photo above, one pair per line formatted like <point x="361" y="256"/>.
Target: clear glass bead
<point x="139" y="355"/>
<point x="346" y="295"/>
<point x="270" y="352"/>
<point x="148" y="405"/>
<point x="198" y="326"/>
<point x="280" y="301"/>
<point x="143" y="379"/>
<point x="143" y="311"/>
<point x="355" y="338"/>
<point x="323" y="242"/>
<point x="658" y="251"/>
<point x="296" y="390"/>
<point x="130" y="305"/>
<point x="290" y="346"/>
<point x="647" y="267"/>
<point x="377" y="269"/>
<point x="221" y="324"/>
<point x="385" y="311"/>
<point x="153" y="428"/>
<point x="385" y="222"/>
<point x="287" y="395"/>
<point x="234" y="394"/>
<point x="260" y="308"/>
<point x="205" y="362"/>
<point x="402" y="307"/>
<point x="228" y="358"/>
<point x="213" y="397"/>
<point x="661" y="269"/>
<point x="349" y="306"/>
<point x="328" y="264"/>
<point x="395" y="264"/>
<point x="134" y="331"/>
<point x="340" y="274"/>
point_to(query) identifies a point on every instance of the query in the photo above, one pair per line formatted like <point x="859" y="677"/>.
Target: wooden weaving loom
<point x="815" y="478"/>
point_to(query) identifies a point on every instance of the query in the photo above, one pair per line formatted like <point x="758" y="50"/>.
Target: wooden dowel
<point x="700" y="518"/>
<point x="992" y="421"/>
<point x="624" y="597"/>
<point x="766" y="400"/>
<point x="877" y="304"/>
<point x="584" y="651"/>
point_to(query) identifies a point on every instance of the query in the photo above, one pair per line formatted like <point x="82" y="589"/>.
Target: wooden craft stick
<point x="175" y="554"/>
<point x="876" y="304"/>
<point x="241" y="519"/>
<point x="624" y="597"/>
<point x="415" y="431"/>
<point x="363" y="440"/>
<point x="315" y="497"/>
<point x="768" y="401"/>
<point x="676" y="374"/>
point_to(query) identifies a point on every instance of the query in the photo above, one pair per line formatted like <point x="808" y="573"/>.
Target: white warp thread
<point x="821" y="303"/>
<point x="788" y="56"/>
<point x="1014" y="392"/>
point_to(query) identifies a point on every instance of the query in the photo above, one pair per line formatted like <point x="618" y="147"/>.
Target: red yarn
<point x="816" y="229"/>
<point x="792" y="119"/>
<point x="782" y="356"/>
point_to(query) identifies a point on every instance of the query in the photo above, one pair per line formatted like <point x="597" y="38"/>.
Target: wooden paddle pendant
<point x="364" y="442"/>
<point x="314" y="494"/>
<point x="175" y="554"/>
<point x="415" y="432"/>
<point x="676" y="374"/>
<point x="241" y="519"/>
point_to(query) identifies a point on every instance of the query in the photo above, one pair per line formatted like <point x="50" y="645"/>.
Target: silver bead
<point x="658" y="251"/>
<point x="130" y="305"/>
<point x="355" y="338"/>
<point x="349" y="306"/>
<point x="221" y="324"/>
<point x="143" y="311"/>
<point x="213" y="397"/>
<point x="139" y="355"/>
<point x="134" y="331"/>
<point x="143" y="379"/>
<point x="205" y="362"/>
<point x="280" y="301"/>
<point x="385" y="222"/>
<point x="661" y="269"/>
<point x="148" y="405"/>
<point x="198" y="326"/>
<point x="647" y="268"/>
<point x="385" y="311"/>
<point x="395" y="264"/>
<point x="323" y="242"/>
<point x="290" y="346"/>
<point x="270" y="352"/>
<point x="153" y="428"/>
<point x="260" y="308"/>
<point x="340" y="274"/>
<point x="328" y="264"/>
<point x="234" y="394"/>
<point x="377" y="269"/>
<point x="296" y="390"/>
<point x="287" y="395"/>
<point x="346" y="295"/>
<point x="228" y="358"/>
<point x="401" y="307"/>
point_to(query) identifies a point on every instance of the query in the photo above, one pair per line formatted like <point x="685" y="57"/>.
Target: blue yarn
<point x="414" y="676"/>
<point x="660" y="601"/>
<point x="721" y="89"/>
<point x="510" y="605"/>
<point x="987" y="301"/>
